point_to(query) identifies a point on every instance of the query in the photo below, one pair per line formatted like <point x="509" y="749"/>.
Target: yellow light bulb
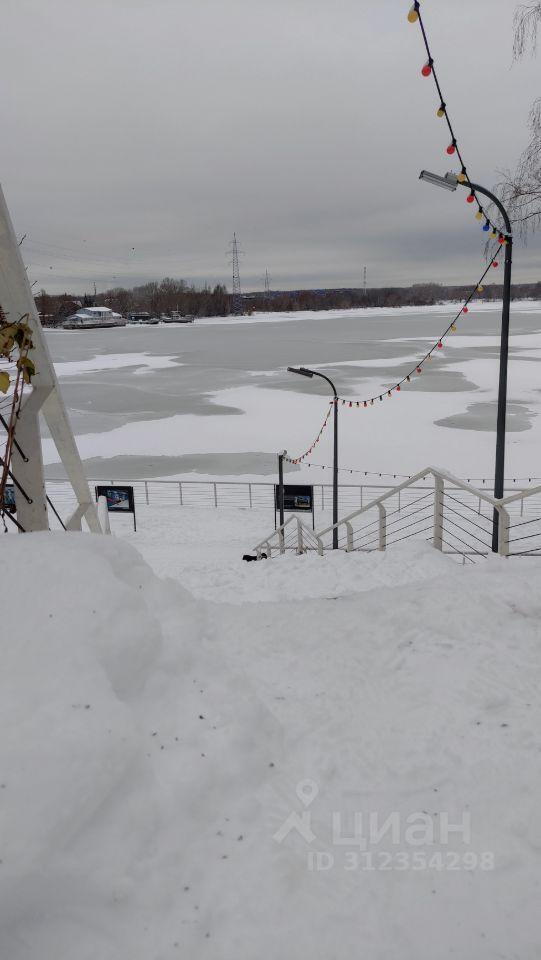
<point x="462" y="178"/>
<point x="440" y="112"/>
<point x="480" y="289"/>
<point x="413" y="15"/>
<point x="493" y="235"/>
<point x="453" y="327"/>
<point x="479" y="215"/>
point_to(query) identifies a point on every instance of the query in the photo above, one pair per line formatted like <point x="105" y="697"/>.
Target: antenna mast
<point x="267" y="285"/>
<point x="236" y="300"/>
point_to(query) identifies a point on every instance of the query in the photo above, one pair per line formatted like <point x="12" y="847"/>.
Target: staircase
<point x="435" y="506"/>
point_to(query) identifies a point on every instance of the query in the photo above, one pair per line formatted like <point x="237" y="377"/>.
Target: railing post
<point x="322" y="497"/>
<point x="382" y="527"/>
<point x="399" y="502"/>
<point x="361" y="496"/>
<point x="180" y="491"/>
<point x="438" y="513"/>
<point x="281" y="541"/>
<point x="146" y="492"/>
<point x="349" y="532"/>
<point x="103" y="515"/>
<point x="215" y="495"/>
<point x="300" y="539"/>
<point x="320" y="549"/>
<point x="250" y="494"/>
<point x="522" y="507"/>
<point x="503" y="532"/>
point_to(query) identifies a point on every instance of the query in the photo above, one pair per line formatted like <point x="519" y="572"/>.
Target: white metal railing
<point x="260" y="494"/>
<point x="385" y="513"/>
<point x="299" y="538"/>
<point x="523" y="537"/>
<point x="436" y="506"/>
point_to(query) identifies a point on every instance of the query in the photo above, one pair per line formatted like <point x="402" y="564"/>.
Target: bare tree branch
<point x="520" y="190"/>
<point x="526" y="25"/>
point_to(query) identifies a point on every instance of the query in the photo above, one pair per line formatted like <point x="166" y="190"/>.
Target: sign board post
<point x="120" y="499"/>
<point x="296" y="499"/>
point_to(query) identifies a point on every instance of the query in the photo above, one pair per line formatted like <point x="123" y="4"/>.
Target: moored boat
<point x="142" y="317"/>
<point x="93" y="318"/>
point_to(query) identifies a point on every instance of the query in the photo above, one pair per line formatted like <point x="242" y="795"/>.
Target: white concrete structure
<point x="43" y="397"/>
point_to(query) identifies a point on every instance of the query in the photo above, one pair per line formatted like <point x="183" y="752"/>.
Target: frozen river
<point x="215" y="397"/>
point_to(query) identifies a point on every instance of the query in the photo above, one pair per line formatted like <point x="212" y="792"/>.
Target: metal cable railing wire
<point x="399" y="510"/>
<point x="457" y="514"/>
<point x="404" y="515"/>
<point x="467" y="506"/>
<point x="464" y="543"/>
<point x="454" y="550"/>
<point x="400" y="529"/>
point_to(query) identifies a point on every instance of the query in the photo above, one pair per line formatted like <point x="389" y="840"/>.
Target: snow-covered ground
<point x="305" y="757"/>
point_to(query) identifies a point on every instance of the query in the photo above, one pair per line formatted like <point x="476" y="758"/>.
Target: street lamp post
<point x="304" y="372"/>
<point x="281" y="486"/>
<point x="450" y="182"/>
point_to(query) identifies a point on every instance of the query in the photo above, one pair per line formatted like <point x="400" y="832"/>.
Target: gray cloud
<point x="163" y="126"/>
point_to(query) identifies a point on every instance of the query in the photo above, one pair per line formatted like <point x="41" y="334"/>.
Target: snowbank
<point x="110" y="703"/>
<point x="184" y="778"/>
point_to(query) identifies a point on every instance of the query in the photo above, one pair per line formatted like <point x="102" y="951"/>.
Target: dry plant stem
<point x="15" y="407"/>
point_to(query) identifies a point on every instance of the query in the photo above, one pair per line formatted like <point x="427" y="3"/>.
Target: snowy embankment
<point x="154" y="747"/>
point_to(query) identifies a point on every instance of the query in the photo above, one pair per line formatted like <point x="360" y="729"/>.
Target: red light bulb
<point x="465" y="310"/>
<point x="495" y="264"/>
<point x="470" y="198"/>
<point x="419" y="370"/>
<point x="398" y="387"/>
<point x="427" y="69"/>
<point x="440" y="345"/>
<point x="451" y="149"/>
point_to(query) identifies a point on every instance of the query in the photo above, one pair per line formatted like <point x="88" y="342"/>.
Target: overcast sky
<point x="139" y="134"/>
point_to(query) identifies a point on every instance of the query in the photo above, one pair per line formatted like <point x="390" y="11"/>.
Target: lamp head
<point x="448" y="182"/>
<point x="301" y="370"/>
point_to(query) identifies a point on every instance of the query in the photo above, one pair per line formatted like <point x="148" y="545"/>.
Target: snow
<point x="157" y="735"/>
<point x="448" y="307"/>
<point x="113" y="361"/>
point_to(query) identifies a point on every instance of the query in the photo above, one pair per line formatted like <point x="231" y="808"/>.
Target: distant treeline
<point x="167" y="295"/>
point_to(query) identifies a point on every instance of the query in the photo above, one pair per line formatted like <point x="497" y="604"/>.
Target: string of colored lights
<point x="408" y="476"/>
<point x="416" y="370"/>
<point x="437" y="345"/>
<point x="316" y="441"/>
<point x="415" y="16"/>
<point x="429" y="69"/>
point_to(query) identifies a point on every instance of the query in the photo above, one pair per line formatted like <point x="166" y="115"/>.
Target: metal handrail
<point x="381" y="527"/>
<point x="438" y="474"/>
<point x="302" y="532"/>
